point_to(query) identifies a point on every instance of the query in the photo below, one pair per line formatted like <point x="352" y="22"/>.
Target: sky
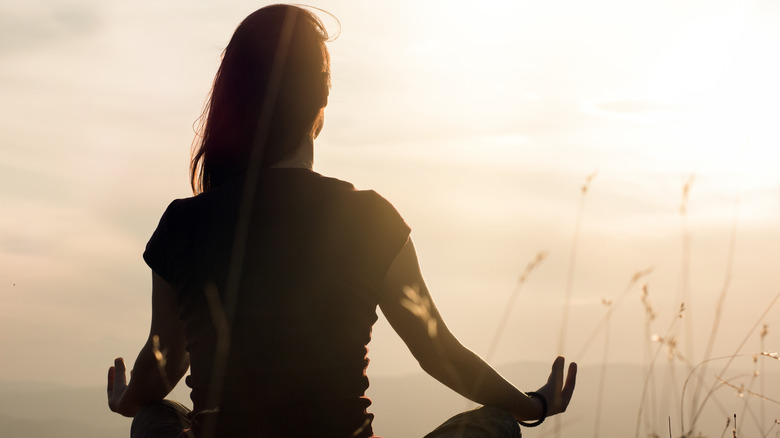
<point x="480" y="123"/>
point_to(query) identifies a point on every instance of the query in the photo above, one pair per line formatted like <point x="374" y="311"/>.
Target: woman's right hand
<point x="555" y="391"/>
<point x="117" y="386"/>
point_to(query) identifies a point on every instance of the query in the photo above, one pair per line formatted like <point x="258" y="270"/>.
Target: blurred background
<point x="616" y="137"/>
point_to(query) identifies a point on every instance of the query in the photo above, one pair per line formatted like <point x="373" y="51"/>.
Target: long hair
<point x="282" y="40"/>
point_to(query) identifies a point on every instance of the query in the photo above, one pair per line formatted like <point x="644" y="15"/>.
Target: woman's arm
<point x="408" y="307"/>
<point x="161" y="362"/>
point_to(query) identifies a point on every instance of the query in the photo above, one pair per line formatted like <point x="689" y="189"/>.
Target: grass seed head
<point x="588" y="180"/>
<point x="649" y="311"/>
<point x="639" y="274"/>
<point x="685" y="192"/>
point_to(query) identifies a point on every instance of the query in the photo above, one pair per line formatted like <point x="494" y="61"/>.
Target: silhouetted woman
<point x="266" y="283"/>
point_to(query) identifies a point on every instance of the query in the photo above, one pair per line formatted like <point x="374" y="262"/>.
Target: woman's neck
<point x="302" y="157"/>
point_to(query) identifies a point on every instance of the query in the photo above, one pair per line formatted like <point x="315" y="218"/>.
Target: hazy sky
<point x="479" y="122"/>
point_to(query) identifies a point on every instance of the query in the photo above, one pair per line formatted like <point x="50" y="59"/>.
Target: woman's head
<point x="273" y="82"/>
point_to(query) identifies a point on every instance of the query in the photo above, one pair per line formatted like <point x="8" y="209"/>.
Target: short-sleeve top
<point x="305" y="280"/>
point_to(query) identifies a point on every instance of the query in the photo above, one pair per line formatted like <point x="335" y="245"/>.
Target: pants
<point x="167" y="419"/>
<point x="484" y="422"/>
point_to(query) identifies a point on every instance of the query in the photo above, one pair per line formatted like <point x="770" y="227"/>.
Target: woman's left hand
<point x="556" y="392"/>
<point x="117" y="385"/>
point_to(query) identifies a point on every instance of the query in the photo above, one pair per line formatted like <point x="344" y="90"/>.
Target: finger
<point x="111" y="373"/>
<point x="120" y="379"/>
<point x="556" y="375"/>
<point x="571" y="381"/>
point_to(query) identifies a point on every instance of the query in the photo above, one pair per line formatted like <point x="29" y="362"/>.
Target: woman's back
<point x="310" y="279"/>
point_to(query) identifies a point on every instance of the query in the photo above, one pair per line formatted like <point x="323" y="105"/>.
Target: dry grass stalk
<point x="721" y="297"/>
<point x="223" y="310"/>
<point x="650" y="316"/>
<point x="742" y="390"/>
<point x="421" y="307"/>
<point x="530" y="267"/>
<point x="772" y="355"/>
<point x="572" y="263"/>
<point x="602" y="377"/>
<point x="762" y="335"/>
<point x="728" y="423"/>
<point x="361" y="428"/>
<point x="575" y="241"/>
<point x="663" y="340"/>
<point x="634" y="279"/>
<point x="774" y="423"/>
<point x="698" y="410"/>
<point x="221" y="324"/>
<point x="685" y="263"/>
<point x="749" y="391"/>
<point x="159" y="356"/>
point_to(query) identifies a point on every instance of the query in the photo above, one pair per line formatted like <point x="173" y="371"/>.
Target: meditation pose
<point x="266" y="283"/>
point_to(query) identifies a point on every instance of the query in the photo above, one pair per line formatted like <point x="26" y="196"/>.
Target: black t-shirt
<point x="306" y="283"/>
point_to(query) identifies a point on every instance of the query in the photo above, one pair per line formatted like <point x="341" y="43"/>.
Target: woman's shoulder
<point x="183" y="207"/>
<point x="361" y="198"/>
<point x="229" y="190"/>
<point x="290" y="182"/>
<point x="343" y="186"/>
<point x="183" y="214"/>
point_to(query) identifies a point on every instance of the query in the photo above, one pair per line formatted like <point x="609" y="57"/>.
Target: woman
<point x="266" y="283"/>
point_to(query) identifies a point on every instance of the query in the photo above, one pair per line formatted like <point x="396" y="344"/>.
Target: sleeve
<point x="386" y="232"/>
<point x="160" y="249"/>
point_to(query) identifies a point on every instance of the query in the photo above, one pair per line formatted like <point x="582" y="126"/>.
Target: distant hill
<point x="405" y="407"/>
<point x="36" y="410"/>
<point x="23" y="428"/>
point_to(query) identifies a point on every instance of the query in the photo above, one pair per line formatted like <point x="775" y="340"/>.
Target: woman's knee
<point x="164" y="419"/>
<point x="484" y="422"/>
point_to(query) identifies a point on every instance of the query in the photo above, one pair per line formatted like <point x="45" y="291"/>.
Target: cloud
<point x="25" y="26"/>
